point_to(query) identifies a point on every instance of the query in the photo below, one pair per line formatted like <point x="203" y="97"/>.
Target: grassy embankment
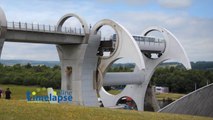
<point x="20" y="110"/>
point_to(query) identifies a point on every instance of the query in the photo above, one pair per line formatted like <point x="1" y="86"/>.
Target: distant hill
<point x="200" y="65"/>
<point x="32" y="62"/>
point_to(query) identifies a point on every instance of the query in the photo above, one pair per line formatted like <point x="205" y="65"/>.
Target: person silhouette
<point x="1" y="92"/>
<point x="7" y="94"/>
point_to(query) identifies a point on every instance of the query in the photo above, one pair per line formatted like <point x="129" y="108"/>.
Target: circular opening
<point x="113" y="81"/>
<point x="72" y="26"/>
<point x="153" y="46"/>
<point x="127" y="103"/>
<point x="30" y="65"/>
<point x="109" y="41"/>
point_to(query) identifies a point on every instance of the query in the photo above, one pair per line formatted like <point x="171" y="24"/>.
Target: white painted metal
<point x="126" y="45"/>
<point x="123" y="78"/>
<point x="173" y="50"/>
<point x="3" y="29"/>
<point x="126" y="48"/>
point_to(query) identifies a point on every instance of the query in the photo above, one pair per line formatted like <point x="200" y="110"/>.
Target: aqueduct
<point x="83" y="66"/>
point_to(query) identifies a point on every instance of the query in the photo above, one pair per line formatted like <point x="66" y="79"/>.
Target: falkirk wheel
<point x="128" y="47"/>
<point x="83" y="66"/>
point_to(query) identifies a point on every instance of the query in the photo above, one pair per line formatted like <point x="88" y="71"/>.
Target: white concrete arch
<point x="3" y="29"/>
<point x="67" y="16"/>
<point x="126" y="48"/>
<point x="3" y="20"/>
<point x="126" y="45"/>
<point x="125" y="40"/>
<point x="173" y="51"/>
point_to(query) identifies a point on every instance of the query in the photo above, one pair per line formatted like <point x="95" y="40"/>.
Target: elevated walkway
<point x="146" y="44"/>
<point x="36" y="33"/>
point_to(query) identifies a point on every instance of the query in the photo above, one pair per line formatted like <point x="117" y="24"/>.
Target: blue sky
<point x="191" y="21"/>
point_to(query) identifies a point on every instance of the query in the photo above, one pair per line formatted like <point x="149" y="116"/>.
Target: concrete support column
<point x="78" y="68"/>
<point x="79" y="64"/>
<point x="71" y="59"/>
<point x="89" y="71"/>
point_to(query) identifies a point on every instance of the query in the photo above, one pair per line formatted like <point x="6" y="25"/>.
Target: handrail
<point x="43" y="28"/>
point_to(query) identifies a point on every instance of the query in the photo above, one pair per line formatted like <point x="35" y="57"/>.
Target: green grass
<point x="159" y="96"/>
<point x="19" y="92"/>
<point x="21" y="110"/>
<point x="172" y="96"/>
<point x="114" y="92"/>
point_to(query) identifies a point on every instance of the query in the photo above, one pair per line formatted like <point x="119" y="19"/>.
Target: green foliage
<point x="202" y="65"/>
<point x="180" y="80"/>
<point x="120" y="68"/>
<point x="176" y="77"/>
<point x="31" y="75"/>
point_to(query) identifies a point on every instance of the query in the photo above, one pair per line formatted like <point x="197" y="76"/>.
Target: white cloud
<point x="163" y="3"/>
<point x="175" y="3"/>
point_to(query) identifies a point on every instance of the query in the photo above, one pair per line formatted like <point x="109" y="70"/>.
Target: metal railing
<point x="141" y="40"/>
<point x="156" y="42"/>
<point x="43" y="28"/>
<point x="149" y="40"/>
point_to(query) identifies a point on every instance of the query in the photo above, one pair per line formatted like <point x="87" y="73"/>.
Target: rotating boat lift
<point x="137" y="81"/>
<point x="85" y="72"/>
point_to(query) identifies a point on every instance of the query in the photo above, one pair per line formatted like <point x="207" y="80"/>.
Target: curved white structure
<point x="173" y="50"/>
<point x="3" y="29"/>
<point x="124" y="41"/>
<point x="83" y="71"/>
<point x="67" y="16"/>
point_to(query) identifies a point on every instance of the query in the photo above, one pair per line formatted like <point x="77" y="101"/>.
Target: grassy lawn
<point x="161" y="96"/>
<point x="114" y="92"/>
<point x="173" y="96"/>
<point x="20" y="110"/>
<point x="19" y="92"/>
